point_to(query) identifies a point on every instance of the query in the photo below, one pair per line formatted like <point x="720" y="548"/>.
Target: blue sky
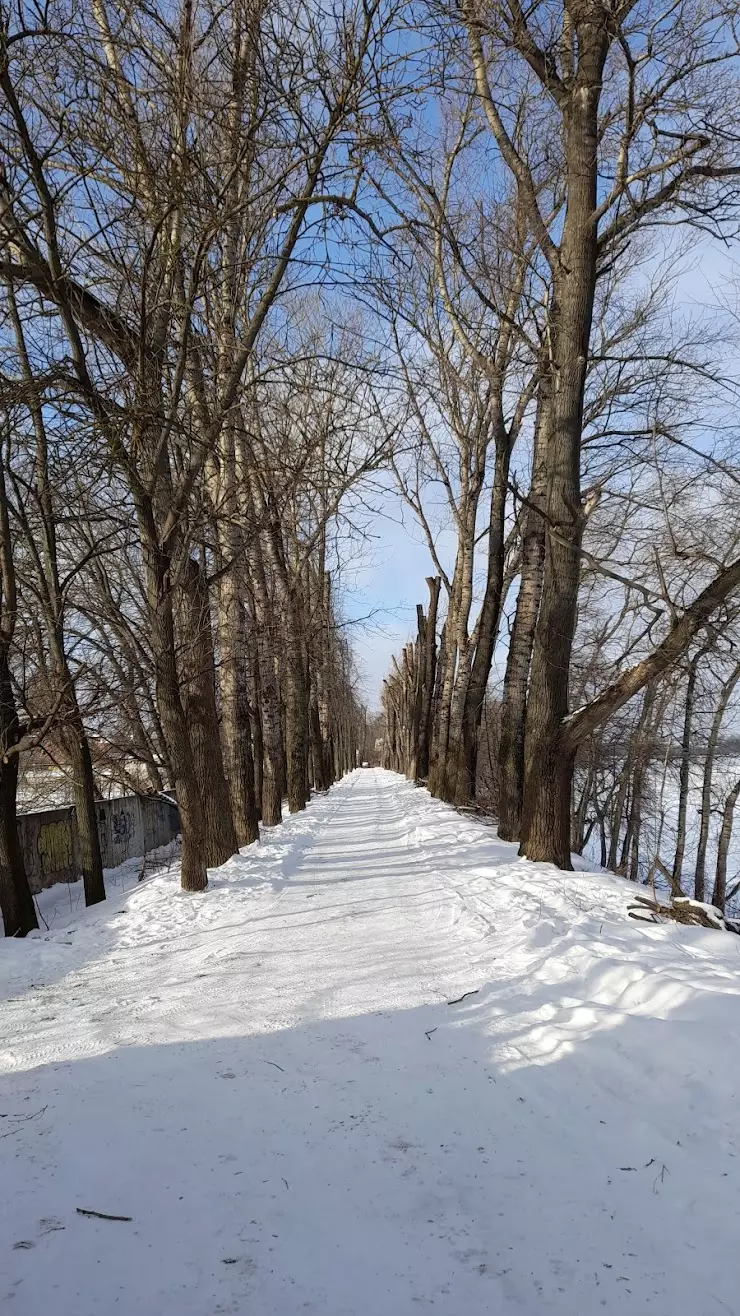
<point x="384" y="581"/>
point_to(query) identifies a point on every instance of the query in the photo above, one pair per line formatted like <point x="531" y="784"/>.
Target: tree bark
<point x="199" y="698"/>
<point x="430" y="672"/>
<point x="235" y="720"/>
<point x="545" y="833"/>
<point x="296" y="721"/>
<point x="683" y="789"/>
<point x="617" y="816"/>
<point x="83" y="786"/>
<point x="516" y="678"/>
<point x="194" y="875"/>
<point x="272" y="733"/>
<point x="487" y="626"/>
<point x="254" y="697"/>
<point x="719" y="895"/>
<point x="706" y="789"/>
<point x="16" y="901"/>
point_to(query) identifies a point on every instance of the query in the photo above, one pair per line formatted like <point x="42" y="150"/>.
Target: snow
<point x="270" y="1081"/>
<point x="64" y="903"/>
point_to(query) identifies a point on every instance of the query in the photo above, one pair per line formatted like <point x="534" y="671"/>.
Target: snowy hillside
<point x="381" y="1067"/>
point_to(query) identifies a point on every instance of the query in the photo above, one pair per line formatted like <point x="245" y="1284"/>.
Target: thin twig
<point x="102" y="1215"/>
<point x="458" y="999"/>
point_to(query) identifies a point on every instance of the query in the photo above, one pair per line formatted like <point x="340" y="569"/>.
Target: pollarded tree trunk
<point x="16" y="901"/>
<point x="441" y="735"/>
<point x="420" y="679"/>
<point x="454" y="788"/>
<point x="436" y="702"/>
<point x="516" y="678"/>
<point x="430" y="672"/>
<point x="410" y="711"/>
<point x="199" y="671"/>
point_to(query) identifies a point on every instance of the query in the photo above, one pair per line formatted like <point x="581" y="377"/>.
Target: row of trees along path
<point x="537" y="384"/>
<point x="326" y="250"/>
<point x="180" y="423"/>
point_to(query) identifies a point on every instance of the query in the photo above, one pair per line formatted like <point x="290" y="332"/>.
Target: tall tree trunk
<point x="430" y="672"/>
<point x="194" y="875"/>
<point x="44" y="556"/>
<point x="455" y="781"/>
<point x="296" y="720"/>
<point x="439" y="677"/>
<point x="487" y="627"/>
<point x="272" y="734"/>
<point x="639" y="752"/>
<point x="16" y="901"/>
<point x="706" y="788"/>
<point x="638" y="786"/>
<point x="719" y="895"/>
<point x="516" y="678"/>
<point x="199" y="671"/>
<point x="83" y="786"/>
<point x="272" y="731"/>
<point x="441" y="733"/>
<point x="455" y="661"/>
<point x="683" y="789"/>
<point x="579" y="829"/>
<point x="236" y="734"/>
<point x="254" y="696"/>
<point x="323" y="670"/>
<point x="549" y="759"/>
<point x="617" y="816"/>
<point x="318" y="749"/>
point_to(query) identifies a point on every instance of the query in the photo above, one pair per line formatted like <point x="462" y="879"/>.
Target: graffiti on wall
<point x="122" y="825"/>
<point x="55" y="845"/>
<point x="127" y="826"/>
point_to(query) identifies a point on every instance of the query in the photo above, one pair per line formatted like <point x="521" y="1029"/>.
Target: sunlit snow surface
<point x="269" y="1080"/>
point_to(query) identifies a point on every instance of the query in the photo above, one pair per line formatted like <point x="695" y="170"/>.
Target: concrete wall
<point x="129" y="826"/>
<point x="49" y="844"/>
<point x="134" y="825"/>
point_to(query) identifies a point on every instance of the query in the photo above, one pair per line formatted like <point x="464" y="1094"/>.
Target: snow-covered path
<point x="272" y="1081"/>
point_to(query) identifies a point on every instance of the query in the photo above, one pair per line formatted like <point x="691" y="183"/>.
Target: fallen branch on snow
<point x="102" y="1215"/>
<point x="682" y="909"/>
